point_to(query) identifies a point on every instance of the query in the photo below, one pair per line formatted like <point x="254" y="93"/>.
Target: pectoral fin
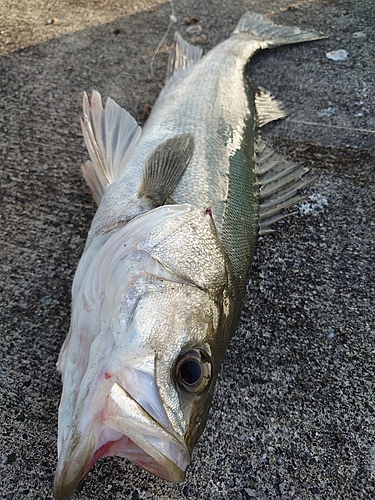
<point x="165" y="167"/>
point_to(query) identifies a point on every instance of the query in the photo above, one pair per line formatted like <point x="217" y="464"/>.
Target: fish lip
<point x="124" y="414"/>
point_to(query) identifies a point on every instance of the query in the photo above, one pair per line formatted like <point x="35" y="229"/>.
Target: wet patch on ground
<point x="355" y="165"/>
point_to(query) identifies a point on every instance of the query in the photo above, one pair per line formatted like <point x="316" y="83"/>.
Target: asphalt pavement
<point x="293" y="416"/>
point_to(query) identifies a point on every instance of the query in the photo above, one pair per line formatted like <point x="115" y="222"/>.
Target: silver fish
<point x="158" y="291"/>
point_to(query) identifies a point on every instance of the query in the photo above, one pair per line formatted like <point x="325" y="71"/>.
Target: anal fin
<point x="268" y="108"/>
<point x="280" y="184"/>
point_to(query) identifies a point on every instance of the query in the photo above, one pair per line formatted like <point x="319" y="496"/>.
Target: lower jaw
<point x="126" y="448"/>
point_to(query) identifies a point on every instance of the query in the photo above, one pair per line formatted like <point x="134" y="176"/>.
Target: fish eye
<point x="193" y="371"/>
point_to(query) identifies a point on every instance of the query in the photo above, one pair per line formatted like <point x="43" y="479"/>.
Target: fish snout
<point x="126" y="429"/>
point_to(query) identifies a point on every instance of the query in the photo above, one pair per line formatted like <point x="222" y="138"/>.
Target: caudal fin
<point x="271" y="34"/>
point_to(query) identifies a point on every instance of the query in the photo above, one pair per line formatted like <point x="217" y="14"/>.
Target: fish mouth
<point x="127" y="430"/>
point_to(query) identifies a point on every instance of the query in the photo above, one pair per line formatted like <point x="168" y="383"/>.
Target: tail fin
<point x="272" y="35"/>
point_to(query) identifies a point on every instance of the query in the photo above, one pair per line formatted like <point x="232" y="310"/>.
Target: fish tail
<point x="271" y="34"/>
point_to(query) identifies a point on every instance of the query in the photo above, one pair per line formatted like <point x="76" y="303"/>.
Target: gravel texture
<point x="293" y="416"/>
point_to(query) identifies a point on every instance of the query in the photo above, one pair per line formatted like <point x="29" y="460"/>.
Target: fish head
<point x="151" y="316"/>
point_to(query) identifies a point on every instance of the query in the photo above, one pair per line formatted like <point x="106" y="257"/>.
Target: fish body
<point x="159" y="288"/>
<point x="210" y="101"/>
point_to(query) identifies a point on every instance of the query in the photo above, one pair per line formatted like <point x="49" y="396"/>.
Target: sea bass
<point x="158" y="291"/>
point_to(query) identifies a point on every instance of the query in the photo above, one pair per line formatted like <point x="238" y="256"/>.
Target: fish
<point x="158" y="291"/>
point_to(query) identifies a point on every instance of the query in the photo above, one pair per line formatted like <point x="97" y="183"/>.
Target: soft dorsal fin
<point x="165" y="168"/>
<point x="182" y="55"/>
<point x="111" y="135"/>
<point x="268" y="108"/>
<point x="281" y="182"/>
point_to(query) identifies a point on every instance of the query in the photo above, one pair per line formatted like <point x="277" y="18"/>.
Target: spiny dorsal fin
<point x="111" y="135"/>
<point x="165" y="168"/>
<point x="182" y="56"/>
<point x="281" y="181"/>
<point x="268" y="108"/>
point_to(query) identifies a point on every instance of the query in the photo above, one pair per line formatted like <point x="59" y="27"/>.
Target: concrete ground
<point x="293" y="416"/>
